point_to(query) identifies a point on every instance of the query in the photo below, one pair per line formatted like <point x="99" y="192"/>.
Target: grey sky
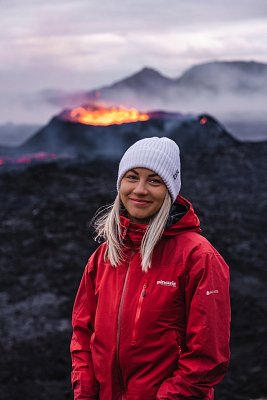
<point x="83" y="44"/>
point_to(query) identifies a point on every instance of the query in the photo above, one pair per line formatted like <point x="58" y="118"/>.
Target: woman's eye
<point x="131" y="177"/>
<point x="155" y="181"/>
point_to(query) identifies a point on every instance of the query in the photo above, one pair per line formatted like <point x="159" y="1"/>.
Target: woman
<point x="151" y="316"/>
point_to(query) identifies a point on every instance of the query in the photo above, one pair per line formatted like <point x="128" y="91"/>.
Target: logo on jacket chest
<point x="166" y="283"/>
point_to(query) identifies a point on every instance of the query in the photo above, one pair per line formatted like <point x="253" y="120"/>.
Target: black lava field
<point x="45" y="211"/>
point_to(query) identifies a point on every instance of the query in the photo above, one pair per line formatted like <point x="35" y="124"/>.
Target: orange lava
<point x="106" y="116"/>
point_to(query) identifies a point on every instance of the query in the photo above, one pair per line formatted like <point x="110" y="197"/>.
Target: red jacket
<point x="157" y="335"/>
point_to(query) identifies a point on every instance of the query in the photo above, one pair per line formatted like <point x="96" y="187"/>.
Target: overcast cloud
<point x="84" y="44"/>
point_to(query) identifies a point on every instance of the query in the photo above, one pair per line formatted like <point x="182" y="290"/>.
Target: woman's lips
<point x="140" y="202"/>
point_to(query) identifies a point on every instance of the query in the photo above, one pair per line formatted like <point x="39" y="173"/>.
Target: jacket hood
<point x="182" y="218"/>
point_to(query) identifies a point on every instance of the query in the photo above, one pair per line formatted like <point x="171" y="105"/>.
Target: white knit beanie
<point x="161" y="155"/>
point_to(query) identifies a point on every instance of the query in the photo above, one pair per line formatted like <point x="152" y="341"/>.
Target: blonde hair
<point x="107" y="227"/>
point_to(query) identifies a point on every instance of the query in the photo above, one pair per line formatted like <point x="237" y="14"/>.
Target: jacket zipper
<point x="119" y="328"/>
<point x="138" y="312"/>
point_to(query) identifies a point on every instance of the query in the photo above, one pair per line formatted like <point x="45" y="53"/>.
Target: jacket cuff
<point x="84" y="386"/>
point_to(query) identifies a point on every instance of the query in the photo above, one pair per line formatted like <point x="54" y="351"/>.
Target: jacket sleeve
<point x="205" y="352"/>
<point x="83" y="380"/>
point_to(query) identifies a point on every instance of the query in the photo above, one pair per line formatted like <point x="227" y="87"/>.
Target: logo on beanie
<point x="176" y="174"/>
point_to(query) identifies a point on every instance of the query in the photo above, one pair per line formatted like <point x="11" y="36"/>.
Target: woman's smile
<point x="140" y="202"/>
<point x="142" y="193"/>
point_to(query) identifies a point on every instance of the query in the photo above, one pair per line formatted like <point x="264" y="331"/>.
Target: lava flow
<point x="40" y="156"/>
<point x="105" y="116"/>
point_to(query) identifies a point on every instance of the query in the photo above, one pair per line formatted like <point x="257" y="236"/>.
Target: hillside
<point x="68" y="138"/>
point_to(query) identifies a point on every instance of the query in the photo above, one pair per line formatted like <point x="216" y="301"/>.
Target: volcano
<point x="95" y="132"/>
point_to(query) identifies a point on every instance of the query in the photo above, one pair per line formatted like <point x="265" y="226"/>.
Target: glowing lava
<point x="106" y="116"/>
<point x="203" y="120"/>
<point x="27" y="158"/>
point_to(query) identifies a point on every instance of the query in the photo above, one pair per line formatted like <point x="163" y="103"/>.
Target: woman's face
<point x="142" y="193"/>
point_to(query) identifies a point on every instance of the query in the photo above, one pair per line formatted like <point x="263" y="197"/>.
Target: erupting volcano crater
<point x="104" y="116"/>
<point x="97" y="132"/>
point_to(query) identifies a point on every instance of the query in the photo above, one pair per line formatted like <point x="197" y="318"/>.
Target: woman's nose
<point x="140" y="187"/>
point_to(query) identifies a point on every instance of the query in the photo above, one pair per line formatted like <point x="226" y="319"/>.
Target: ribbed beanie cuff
<point x="161" y="155"/>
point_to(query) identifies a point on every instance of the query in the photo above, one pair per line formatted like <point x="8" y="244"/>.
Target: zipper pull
<point x="143" y="293"/>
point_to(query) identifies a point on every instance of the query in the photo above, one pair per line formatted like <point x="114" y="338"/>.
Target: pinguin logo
<point x="176" y="174"/>
<point x="166" y="283"/>
<point x="208" y="292"/>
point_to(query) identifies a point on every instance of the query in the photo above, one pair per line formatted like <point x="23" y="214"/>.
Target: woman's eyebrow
<point x="150" y="175"/>
<point x="135" y="172"/>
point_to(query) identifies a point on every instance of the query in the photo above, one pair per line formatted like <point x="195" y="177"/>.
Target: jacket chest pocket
<point x="155" y="314"/>
<point x="138" y="313"/>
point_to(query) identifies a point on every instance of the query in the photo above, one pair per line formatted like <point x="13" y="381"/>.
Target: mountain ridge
<point x="216" y="87"/>
<point x="226" y="89"/>
<point x="245" y="67"/>
<point x="244" y="75"/>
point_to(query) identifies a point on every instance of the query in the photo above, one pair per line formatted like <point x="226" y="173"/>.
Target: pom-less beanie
<point x="161" y="155"/>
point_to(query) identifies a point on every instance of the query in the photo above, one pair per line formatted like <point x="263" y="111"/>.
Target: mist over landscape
<point x="233" y="92"/>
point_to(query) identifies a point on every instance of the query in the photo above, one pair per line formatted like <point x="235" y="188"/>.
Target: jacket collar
<point x="182" y="221"/>
<point x="182" y="218"/>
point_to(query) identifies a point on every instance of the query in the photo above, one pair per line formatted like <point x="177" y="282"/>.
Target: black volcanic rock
<point x="66" y="138"/>
<point x="45" y="242"/>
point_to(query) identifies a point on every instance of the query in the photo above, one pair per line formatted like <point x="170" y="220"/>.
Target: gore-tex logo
<point x="166" y="283"/>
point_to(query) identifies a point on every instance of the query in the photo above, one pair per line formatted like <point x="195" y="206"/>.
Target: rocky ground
<point x="45" y="211"/>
